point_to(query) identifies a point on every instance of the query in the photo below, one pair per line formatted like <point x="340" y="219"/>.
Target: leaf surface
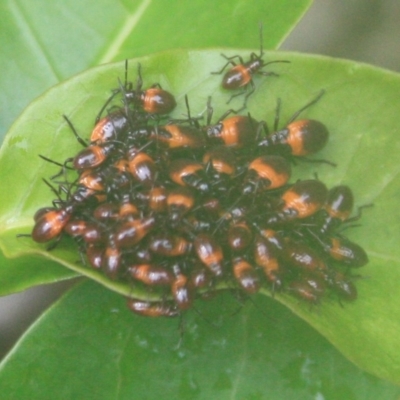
<point x="225" y="350"/>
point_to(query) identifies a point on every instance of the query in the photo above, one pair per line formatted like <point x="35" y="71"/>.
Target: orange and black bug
<point x="84" y="195"/>
<point x="93" y="180"/>
<point x="209" y="253"/>
<point x="50" y="221"/>
<point x="266" y="173"/>
<point x="182" y="290"/>
<point x="241" y="74"/>
<point x="93" y="155"/>
<point x="344" y="251"/>
<point x="272" y="237"/>
<point x="246" y="275"/>
<point x="343" y="287"/>
<point x="266" y="256"/>
<point x="44" y="210"/>
<point x="133" y="231"/>
<point x="110" y="127"/>
<point x="154" y="100"/>
<point x="94" y="255"/>
<point x="169" y="245"/>
<point x="128" y="210"/>
<point x="180" y="200"/>
<point x="178" y="136"/>
<point x="90" y="232"/>
<point x="301" y="200"/>
<point x="152" y="275"/>
<point x="112" y="258"/>
<point x="337" y="210"/>
<point x="50" y="224"/>
<point x="220" y="162"/>
<point x="155" y="199"/>
<point x="318" y="283"/>
<point x="141" y="166"/>
<point x="153" y="309"/>
<point x="308" y="290"/>
<point x="200" y="277"/>
<point x="236" y="131"/>
<point x="96" y="183"/>
<point x="106" y="211"/>
<point x="186" y="172"/>
<point x="298" y="138"/>
<point x="239" y="236"/>
<point x="304" y="258"/>
<point x="114" y="211"/>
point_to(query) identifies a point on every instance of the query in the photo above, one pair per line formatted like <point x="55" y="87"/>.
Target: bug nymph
<point x="209" y="253"/>
<point x="337" y="208"/>
<point x="303" y="199"/>
<point x="169" y="245"/>
<point x="266" y="173"/>
<point x="141" y="166"/>
<point x="186" y="172"/>
<point x="298" y="138"/>
<point x="151" y="275"/>
<point x="93" y="156"/>
<point x="241" y="74"/>
<point x="153" y="309"/>
<point x="266" y="257"/>
<point x="154" y="100"/>
<point x="236" y="131"/>
<point x="51" y="224"/>
<point x="175" y="136"/>
<point x="110" y="127"/>
<point x="246" y="275"/>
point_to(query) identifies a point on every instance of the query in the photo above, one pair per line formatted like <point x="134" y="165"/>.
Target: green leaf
<point x="360" y="109"/>
<point x="46" y="42"/>
<point x="89" y="346"/>
<point x="24" y="272"/>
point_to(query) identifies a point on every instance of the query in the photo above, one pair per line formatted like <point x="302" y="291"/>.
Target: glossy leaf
<point x="90" y="346"/>
<point x="24" y="272"/>
<point x="46" y="42"/>
<point x="359" y="108"/>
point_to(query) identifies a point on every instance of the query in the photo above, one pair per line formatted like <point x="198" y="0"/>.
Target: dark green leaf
<point x="89" y="346"/>
<point x="24" y="272"/>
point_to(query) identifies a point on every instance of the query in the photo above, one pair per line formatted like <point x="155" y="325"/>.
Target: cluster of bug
<point x="180" y="208"/>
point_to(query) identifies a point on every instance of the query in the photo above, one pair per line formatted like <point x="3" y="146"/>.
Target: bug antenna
<point x="71" y="126"/>
<point x="187" y="107"/>
<point x="309" y="104"/>
<point x="210" y="111"/>
<point x="52" y="188"/>
<point x="126" y="73"/>
<point x="139" y="80"/>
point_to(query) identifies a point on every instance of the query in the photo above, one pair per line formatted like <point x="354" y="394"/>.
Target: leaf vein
<point x="125" y="31"/>
<point x="31" y="36"/>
